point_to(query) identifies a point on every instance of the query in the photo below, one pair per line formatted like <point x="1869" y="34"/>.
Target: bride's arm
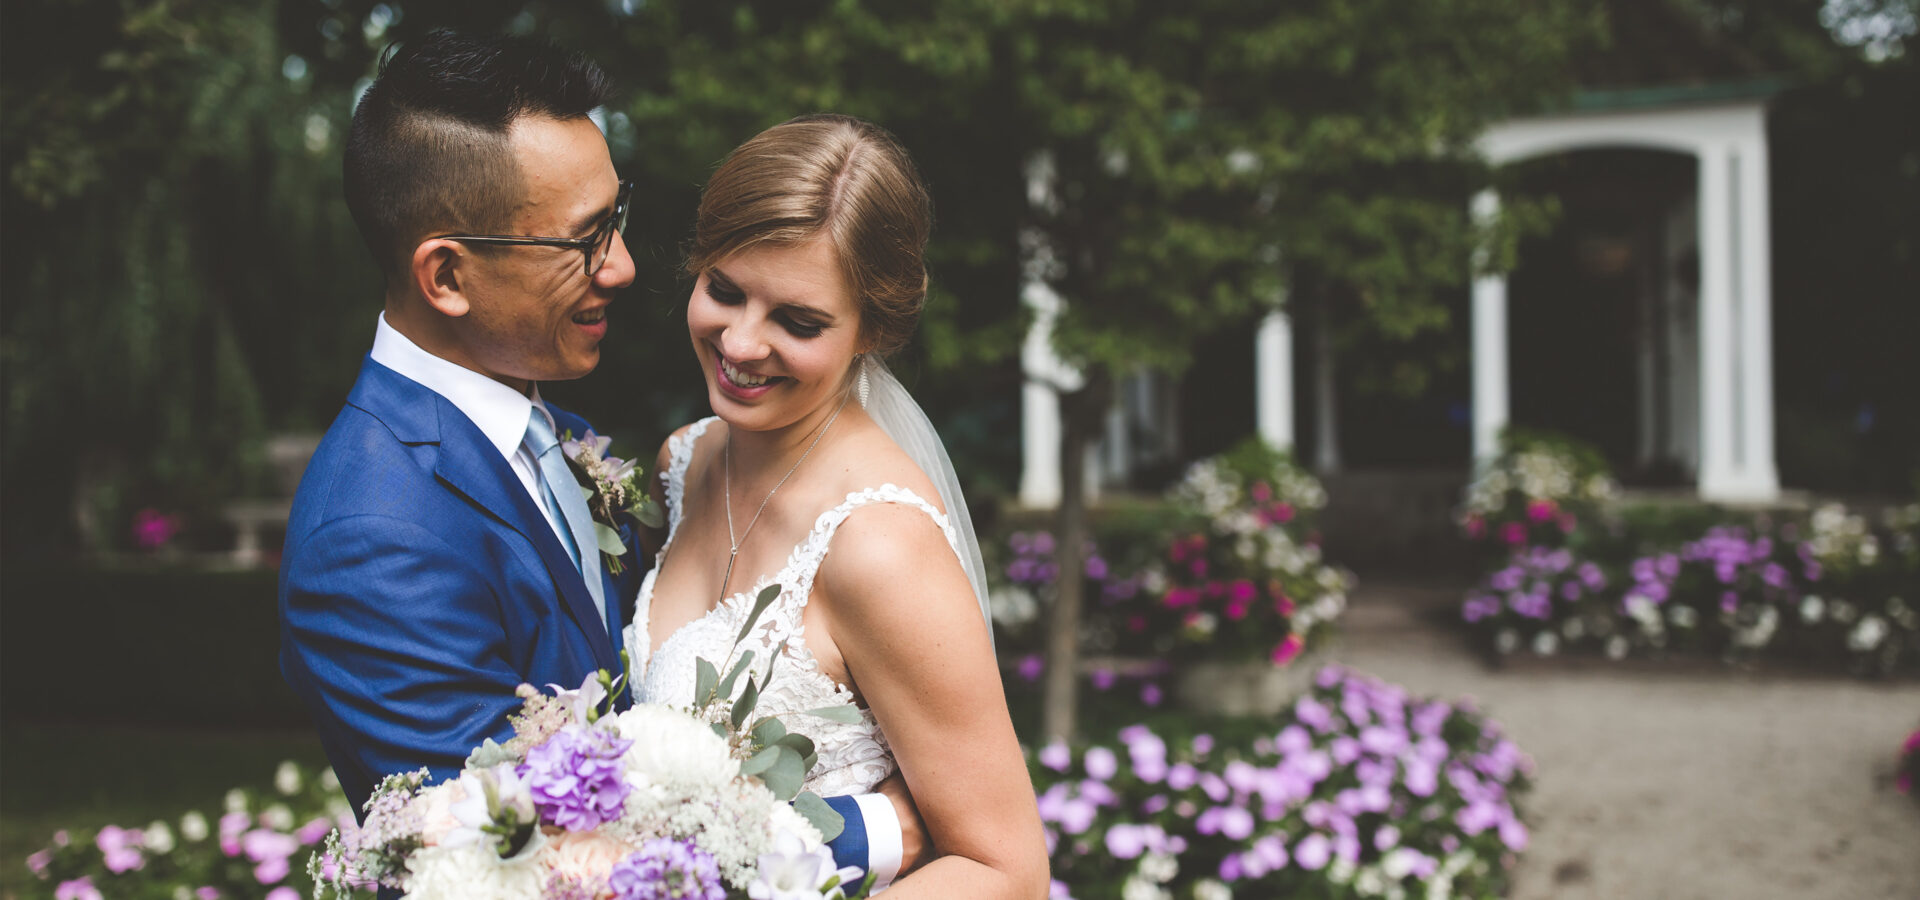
<point x="901" y="614"/>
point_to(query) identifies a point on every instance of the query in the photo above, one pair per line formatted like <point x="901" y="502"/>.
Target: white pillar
<point x="1718" y="478"/>
<point x="1490" y="391"/>
<point x="1273" y="380"/>
<point x="1326" y="396"/>
<point x="1760" y="479"/>
<point x="1039" y="404"/>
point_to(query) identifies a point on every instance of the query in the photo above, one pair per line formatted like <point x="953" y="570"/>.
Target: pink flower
<point x="1136" y="623"/>
<point x="1031" y="666"/>
<point x="1237" y="608"/>
<point x="1261" y="492"/>
<point x="1286" y="650"/>
<point x="207" y="893"/>
<point x="1283" y="513"/>
<point x="152" y="529"/>
<point x="1242" y="591"/>
<point x="283" y="893"/>
<point x="1513" y="533"/>
<point x="1476" y="527"/>
<point x="39" y="861"/>
<point x="1102" y="679"/>
<point x="78" y="889"/>
<point x="1566" y="523"/>
<point x="120" y="849"/>
<point x="1198" y="567"/>
<point x="1540" y="510"/>
<point x="1912" y="744"/>
<point x="1150" y="694"/>
<point x="1181" y="597"/>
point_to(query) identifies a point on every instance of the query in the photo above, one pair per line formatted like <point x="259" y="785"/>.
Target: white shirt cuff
<point x="884" y="842"/>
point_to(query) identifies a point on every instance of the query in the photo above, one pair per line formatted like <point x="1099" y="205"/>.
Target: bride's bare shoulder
<point x="873" y="459"/>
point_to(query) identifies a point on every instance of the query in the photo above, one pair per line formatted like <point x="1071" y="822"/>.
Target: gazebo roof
<point x="1659" y="54"/>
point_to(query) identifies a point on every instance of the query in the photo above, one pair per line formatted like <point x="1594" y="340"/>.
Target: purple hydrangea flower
<point x="667" y="869"/>
<point x="576" y="778"/>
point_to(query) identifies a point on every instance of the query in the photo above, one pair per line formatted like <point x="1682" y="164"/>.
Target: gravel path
<point x="1675" y="780"/>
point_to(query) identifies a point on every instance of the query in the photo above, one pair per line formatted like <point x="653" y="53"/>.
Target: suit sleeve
<point x="396" y="641"/>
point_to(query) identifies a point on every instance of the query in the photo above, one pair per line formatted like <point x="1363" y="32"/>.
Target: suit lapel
<point x="470" y="465"/>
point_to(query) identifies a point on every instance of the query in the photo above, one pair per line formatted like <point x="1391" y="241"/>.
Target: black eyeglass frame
<point x="617" y="221"/>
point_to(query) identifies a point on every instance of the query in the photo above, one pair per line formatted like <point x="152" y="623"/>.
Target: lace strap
<point x="807" y="557"/>
<point x="679" y="455"/>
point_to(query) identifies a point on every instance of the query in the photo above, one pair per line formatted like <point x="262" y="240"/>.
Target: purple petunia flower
<point x="576" y="778"/>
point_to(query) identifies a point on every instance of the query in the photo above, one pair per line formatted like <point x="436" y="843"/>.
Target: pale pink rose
<point x="436" y="817"/>
<point x="587" y="856"/>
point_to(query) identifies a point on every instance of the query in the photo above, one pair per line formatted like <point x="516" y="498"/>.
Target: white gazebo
<point x="1718" y="394"/>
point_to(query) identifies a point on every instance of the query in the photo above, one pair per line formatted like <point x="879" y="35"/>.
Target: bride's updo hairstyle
<point x="836" y="177"/>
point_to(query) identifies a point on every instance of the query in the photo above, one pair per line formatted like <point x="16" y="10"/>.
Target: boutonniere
<point x="612" y="485"/>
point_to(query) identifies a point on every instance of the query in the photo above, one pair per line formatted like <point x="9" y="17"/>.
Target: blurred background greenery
<point x="180" y="281"/>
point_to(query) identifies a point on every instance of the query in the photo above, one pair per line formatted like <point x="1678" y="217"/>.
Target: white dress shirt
<point x="500" y="412"/>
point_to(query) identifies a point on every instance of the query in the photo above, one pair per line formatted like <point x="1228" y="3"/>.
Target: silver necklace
<point x="727" y="486"/>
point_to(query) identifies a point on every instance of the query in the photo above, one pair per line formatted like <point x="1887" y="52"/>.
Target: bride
<point x="820" y="474"/>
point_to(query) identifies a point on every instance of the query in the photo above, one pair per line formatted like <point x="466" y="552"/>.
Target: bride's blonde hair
<point x="836" y="177"/>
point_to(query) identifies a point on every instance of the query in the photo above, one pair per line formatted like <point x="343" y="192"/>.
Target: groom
<point x="439" y="553"/>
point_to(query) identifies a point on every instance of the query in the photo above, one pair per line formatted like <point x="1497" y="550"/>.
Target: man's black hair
<point x="428" y="151"/>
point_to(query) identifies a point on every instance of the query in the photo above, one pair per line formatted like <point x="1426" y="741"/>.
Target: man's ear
<point x="438" y="269"/>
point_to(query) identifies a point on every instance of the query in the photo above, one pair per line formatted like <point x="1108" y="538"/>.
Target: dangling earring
<point x="862" y="387"/>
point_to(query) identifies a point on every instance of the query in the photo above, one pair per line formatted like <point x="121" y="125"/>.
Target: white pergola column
<point x="1039" y="403"/>
<point x="1490" y="389"/>
<point x="1736" y="354"/>
<point x="1273" y="380"/>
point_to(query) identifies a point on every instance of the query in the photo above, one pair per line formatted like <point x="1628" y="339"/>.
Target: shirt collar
<point x="500" y="412"/>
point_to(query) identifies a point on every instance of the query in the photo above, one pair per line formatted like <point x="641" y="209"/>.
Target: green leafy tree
<point x="1201" y="157"/>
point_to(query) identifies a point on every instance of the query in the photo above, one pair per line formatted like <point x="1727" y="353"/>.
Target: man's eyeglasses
<point x="595" y="247"/>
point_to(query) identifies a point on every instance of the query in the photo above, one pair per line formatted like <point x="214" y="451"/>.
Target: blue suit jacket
<point x="420" y="585"/>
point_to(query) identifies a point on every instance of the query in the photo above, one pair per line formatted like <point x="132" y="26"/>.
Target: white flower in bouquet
<point x="476" y="872"/>
<point x="792" y="870"/>
<point x="673" y="753"/>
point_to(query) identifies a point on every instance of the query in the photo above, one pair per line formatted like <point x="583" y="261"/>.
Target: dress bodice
<point x="853" y="757"/>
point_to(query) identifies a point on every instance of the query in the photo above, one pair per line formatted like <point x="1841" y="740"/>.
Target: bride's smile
<point x="776" y="329"/>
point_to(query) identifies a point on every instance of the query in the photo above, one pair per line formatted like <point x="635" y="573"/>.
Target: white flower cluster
<point x="1212" y="487"/>
<point x="1537" y="474"/>
<point x="1841" y="538"/>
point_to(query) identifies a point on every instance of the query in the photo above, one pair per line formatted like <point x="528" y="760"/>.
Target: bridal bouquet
<point x="584" y="802"/>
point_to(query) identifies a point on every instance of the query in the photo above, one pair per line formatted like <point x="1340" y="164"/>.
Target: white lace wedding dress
<point x="853" y="758"/>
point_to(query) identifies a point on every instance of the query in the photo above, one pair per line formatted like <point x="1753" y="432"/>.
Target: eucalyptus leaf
<point x="784" y="777"/>
<point x="769" y="731"/>
<point x="760" y="762"/>
<point x="608" y="539"/>
<point x="726" y="684"/>
<point x="743" y="707"/>
<point x="820" y="814"/>
<point x="800" y="743"/>
<point x="844" y="714"/>
<point x="488" y="755"/>
<point x="649" y="512"/>
<point x="718" y="728"/>
<point x="705" y="676"/>
<point x="760" y="605"/>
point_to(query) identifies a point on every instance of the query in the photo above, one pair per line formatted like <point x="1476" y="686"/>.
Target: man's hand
<point x="916" y="847"/>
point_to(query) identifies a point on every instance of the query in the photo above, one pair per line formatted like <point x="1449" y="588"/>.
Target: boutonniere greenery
<point x="612" y="485"/>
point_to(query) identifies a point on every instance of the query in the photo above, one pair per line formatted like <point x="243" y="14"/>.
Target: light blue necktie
<point x="566" y="503"/>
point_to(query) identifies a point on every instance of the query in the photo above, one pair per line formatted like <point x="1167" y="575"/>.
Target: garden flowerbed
<point x="1567" y="571"/>
<point x="1357" y="790"/>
